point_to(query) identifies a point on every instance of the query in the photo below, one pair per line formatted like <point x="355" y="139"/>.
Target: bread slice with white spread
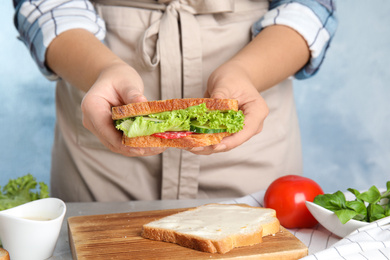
<point x="215" y="228"/>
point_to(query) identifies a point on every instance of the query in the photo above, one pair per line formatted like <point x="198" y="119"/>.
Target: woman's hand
<point x="232" y="81"/>
<point x="108" y="81"/>
<point x="116" y="85"/>
<point x="276" y="53"/>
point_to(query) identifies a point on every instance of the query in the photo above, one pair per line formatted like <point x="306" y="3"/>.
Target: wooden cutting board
<point x="117" y="236"/>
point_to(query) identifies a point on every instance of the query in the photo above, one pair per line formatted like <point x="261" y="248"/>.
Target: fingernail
<point x="157" y="149"/>
<point x="197" y="149"/>
<point x="137" y="150"/>
<point x="220" y="147"/>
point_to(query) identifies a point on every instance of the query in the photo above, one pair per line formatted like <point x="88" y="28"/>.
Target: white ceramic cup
<point x="30" y="231"/>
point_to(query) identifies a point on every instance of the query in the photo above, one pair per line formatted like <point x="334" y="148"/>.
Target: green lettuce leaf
<point x="22" y="190"/>
<point x="233" y="121"/>
<point x="141" y="126"/>
<point x="180" y="120"/>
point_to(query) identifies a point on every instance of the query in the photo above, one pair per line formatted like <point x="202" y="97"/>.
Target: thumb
<point x="218" y="95"/>
<point x="217" y="92"/>
<point x="134" y="96"/>
<point x="137" y="99"/>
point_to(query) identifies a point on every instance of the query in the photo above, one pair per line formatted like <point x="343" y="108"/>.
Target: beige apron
<point x="174" y="45"/>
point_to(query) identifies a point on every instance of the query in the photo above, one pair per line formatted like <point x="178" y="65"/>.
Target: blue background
<point x="344" y="110"/>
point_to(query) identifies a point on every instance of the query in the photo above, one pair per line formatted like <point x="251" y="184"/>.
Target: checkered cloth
<point x="369" y="242"/>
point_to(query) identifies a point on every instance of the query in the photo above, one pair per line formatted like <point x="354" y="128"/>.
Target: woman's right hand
<point x="107" y="81"/>
<point x="118" y="84"/>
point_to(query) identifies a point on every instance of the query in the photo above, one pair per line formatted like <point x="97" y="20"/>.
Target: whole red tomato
<point x="287" y="195"/>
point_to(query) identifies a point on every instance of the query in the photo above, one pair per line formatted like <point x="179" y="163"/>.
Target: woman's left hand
<point x="276" y="53"/>
<point x="231" y="81"/>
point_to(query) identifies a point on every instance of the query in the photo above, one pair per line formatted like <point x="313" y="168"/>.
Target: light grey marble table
<point x="62" y="250"/>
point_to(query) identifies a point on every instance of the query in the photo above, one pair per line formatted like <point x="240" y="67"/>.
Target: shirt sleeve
<point x="40" y="21"/>
<point x="315" y="20"/>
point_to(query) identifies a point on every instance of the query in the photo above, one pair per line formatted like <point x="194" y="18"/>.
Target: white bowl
<point x="331" y="222"/>
<point x="30" y="231"/>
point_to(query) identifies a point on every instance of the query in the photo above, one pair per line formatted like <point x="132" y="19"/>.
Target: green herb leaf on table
<point x="22" y="190"/>
<point x="345" y="215"/>
<point x="368" y="206"/>
<point x="333" y="202"/>
<point x="360" y="208"/>
<point x="371" y="196"/>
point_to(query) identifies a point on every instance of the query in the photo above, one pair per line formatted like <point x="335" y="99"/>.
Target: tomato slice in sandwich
<point x="172" y="134"/>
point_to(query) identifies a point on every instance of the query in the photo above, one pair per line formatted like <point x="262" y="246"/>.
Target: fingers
<point x="104" y="129"/>
<point x="135" y="151"/>
<point x="99" y="122"/>
<point x="206" y="94"/>
<point x="228" y="143"/>
<point x="255" y="110"/>
<point x="116" y="86"/>
<point x="96" y="118"/>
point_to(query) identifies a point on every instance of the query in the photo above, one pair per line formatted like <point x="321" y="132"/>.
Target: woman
<point x="154" y="50"/>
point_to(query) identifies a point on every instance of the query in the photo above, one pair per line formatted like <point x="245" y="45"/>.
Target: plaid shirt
<point x="40" y="21"/>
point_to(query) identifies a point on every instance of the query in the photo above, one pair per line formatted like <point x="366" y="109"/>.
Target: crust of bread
<point x="205" y="245"/>
<point x="271" y="226"/>
<point x="151" y="107"/>
<point x="222" y="246"/>
<point x="4" y="254"/>
<point x="194" y="140"/>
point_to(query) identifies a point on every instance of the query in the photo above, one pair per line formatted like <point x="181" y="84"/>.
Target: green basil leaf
<point x="339" y="200"/>
<point x="333" y="202"/>
<point x="345" y="215"/>
<point x="373" y="195"/>
<point x="385" y="203"/>
<point x="387" y="212"/>
<point x="376" y="217"/>
<point x="378" y="204"/>
<point x="354" y="192"/>
<point x="386" y="194"/>
<point x="360" y="217"/>
<point x="357" y="206"/>
<point x="375" y="212"/>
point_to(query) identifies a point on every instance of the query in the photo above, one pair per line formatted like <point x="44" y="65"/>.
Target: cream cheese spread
<point x="215" y="221"/>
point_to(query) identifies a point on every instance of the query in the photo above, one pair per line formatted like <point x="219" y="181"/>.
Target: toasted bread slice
<point x="215" y="228"/>
<point x="194" y="140"/>
<point x="151" y="107"/>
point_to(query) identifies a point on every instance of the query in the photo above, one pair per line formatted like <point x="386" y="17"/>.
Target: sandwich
<point x="190" y="122"/>
<point x="214" y="228"/>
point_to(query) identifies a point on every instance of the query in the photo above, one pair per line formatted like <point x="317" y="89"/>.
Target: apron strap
<point x="179" y="54"/>
<point x="180" y="60"/>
